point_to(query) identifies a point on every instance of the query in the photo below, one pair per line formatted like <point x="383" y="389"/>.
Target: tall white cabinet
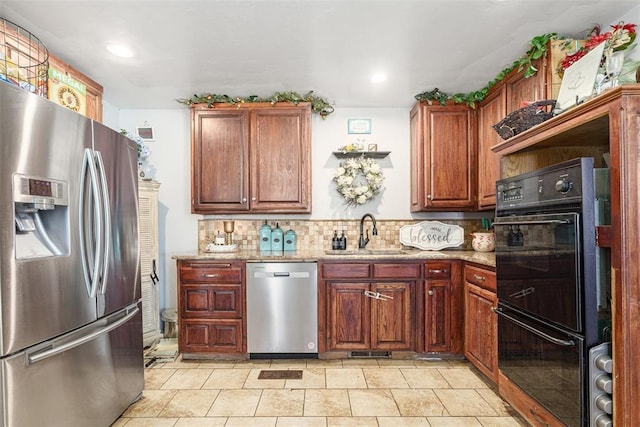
<point x="148" y="237"/>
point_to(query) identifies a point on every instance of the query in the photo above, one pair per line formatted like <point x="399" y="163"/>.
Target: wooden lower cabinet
<point x="481" y="323"/>
<point x="354" y="319"/>
<point x="360" y="322"/>
<point x="211" y="307"/>
<point x="442" y="314"/>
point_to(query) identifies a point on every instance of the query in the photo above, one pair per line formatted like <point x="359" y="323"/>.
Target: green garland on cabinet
<point x="525" y="62"/>
<point x="318" y="105"/>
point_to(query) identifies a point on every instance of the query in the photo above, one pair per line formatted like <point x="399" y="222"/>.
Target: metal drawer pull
<point x="557" y="341"/>
<point x="210" y="275"/>
<point x="479" y="278"/>
<point x="437" y="271"/>
<point x="377" y="295"/>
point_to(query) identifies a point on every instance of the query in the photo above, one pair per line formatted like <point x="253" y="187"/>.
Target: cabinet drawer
<point x="212" y="301"/>
<point x="212" y="273"/>
<point x="345" y="271"/>
<point x="480" y="276"/>
<point x="210" y="336"/>
<point x="437" y="270"/>
<point x="400" y="271"/>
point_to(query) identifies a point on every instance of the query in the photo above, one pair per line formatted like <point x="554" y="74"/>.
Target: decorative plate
<point x="221" y="248"/>
<point x="432" y="235"/>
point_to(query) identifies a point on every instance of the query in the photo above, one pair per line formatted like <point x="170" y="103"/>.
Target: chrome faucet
<point x="363" y="241"/>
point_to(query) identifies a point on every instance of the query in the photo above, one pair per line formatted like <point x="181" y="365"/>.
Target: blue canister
<point x="265" y="236"/>
<point x="276" y="239"/>
<point x="290" y="240"/>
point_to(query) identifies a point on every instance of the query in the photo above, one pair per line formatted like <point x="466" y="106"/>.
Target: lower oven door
<point x="545" y="362"/>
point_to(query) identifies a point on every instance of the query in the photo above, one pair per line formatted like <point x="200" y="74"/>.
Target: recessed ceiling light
<point x="378" y="78"/>
<point x="120" y="50"/>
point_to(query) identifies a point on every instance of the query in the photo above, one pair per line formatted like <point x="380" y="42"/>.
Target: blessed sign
<point x="432" y="235"/>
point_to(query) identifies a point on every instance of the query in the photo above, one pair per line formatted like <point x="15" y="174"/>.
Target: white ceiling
<point x="242" y="48"/>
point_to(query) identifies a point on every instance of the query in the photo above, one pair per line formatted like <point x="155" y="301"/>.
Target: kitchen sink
<point x="366" y="252"/>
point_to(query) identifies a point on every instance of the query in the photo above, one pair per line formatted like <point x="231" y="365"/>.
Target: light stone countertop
<point x="483" y="258"/>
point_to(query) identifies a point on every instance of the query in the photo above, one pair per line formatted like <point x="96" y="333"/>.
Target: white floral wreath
<point x="359" y="180"/>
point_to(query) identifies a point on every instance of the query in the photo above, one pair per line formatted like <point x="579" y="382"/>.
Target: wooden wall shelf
<point x="371" y="154"/>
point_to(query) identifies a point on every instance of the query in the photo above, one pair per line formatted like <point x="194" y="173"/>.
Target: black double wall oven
<point x="552" y="282"/>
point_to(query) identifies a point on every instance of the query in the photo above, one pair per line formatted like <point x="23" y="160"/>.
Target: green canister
<point x="265" y="237"/>
<point x="290" y="240"/>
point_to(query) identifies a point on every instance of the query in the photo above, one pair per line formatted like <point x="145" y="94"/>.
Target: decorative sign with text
<point x="432" y="235"/>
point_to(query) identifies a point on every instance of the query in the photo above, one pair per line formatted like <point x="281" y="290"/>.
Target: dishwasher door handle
<point x="288" y="274"/>
<point x="281" y="274"/>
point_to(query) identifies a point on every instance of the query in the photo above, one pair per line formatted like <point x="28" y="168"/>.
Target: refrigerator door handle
<point x="106" y="221"/>
<point x="90" y="267"/>
<point x="36" y="357"/>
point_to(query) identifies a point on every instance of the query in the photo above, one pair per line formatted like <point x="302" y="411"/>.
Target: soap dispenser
<point x="335" y="242"/>
<point x="290" y="240"/>
<point x="276" y="238"/>
<point x="343" y="241"/>
<point x="265" y="237"/>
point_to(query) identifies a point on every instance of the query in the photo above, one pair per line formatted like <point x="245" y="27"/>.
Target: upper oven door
<point x="538" y="266"/>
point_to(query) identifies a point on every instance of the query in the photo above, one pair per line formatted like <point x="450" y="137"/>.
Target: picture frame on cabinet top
<point x="579" y="80"/>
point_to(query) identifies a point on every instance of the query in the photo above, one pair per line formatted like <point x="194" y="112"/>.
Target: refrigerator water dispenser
<point x="41" y="209"/>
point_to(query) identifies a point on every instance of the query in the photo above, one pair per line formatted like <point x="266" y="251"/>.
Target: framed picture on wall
<point x="145" y="132"/>
<point x="359" y="126"/>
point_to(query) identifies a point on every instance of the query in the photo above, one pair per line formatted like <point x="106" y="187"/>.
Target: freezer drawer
<point x="86" y="378"/>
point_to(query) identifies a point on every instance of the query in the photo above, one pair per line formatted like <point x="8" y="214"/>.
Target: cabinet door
<point x="437" y="303"/>
<point x="481" y="331"/>
<point x="349" y="317"/>
<point x="521" y="89"/>
<point x="391" y="318"/>
<point x="220" y="160"/>
<point x="281" y="160"/>
<point x="448" y="158"/>
<point x="148" y="239"/>
<point x="416" y="130"/>
<point x="490" y="111"/>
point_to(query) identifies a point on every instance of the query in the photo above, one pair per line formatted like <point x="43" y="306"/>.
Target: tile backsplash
<point x="317" y="234"/>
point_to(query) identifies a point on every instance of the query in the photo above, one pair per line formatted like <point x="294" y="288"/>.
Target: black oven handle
<point x="557" y="341"/>
<point x="534" y="222"/>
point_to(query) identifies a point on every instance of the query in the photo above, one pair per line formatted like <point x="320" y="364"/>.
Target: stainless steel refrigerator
<point x="71" y="325"/>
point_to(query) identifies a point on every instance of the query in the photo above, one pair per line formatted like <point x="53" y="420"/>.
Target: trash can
<point x="170" y="319"/>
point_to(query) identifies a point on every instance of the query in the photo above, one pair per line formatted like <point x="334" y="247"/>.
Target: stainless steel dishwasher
<point x="282" y="308"/>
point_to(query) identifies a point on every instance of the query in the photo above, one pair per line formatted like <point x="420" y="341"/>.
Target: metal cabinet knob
<point x="430" y="292"/>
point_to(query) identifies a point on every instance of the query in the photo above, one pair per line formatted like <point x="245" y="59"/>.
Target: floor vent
<point x="288" y="374"/>
<point x="372" y="353"/>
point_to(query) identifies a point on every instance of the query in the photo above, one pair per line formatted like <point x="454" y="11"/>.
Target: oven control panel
<point x="556" y="185"/>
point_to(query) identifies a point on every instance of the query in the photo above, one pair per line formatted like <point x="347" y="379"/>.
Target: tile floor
<point x="347" y="392"/>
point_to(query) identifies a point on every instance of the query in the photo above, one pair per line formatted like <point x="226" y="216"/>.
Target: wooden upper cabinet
<point x="281" y="160"/>
<point x="520" y="89"/>
<point x="504" y="98"/>
<point x="490" y="111"/>
<point x="443" y="157"/>
<point x="252" y="158"/>
<point x="219" y="160"/>
<point x="93" y="98"/>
